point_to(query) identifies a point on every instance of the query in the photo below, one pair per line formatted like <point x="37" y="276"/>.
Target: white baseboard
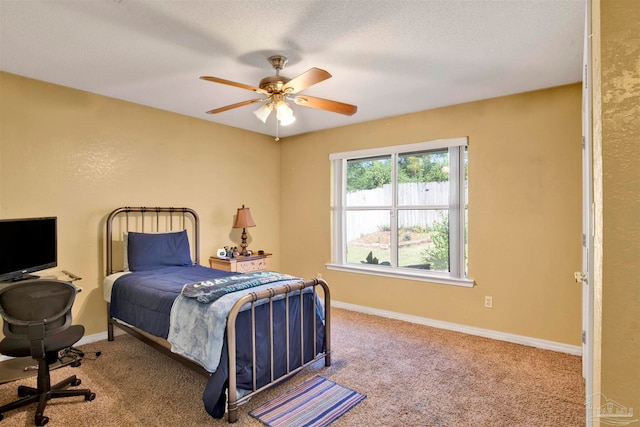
<point x="471" y="330"/>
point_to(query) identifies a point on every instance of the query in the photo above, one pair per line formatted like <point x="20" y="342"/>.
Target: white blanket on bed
<point x="197" y="330"/>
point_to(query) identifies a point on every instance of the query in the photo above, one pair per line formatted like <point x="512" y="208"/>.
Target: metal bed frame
<point x="186" y="217"/>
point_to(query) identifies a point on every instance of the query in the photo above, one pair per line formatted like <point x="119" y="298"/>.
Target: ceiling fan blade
<point x="230" y="83"/>
<point x="236" y="105"/>
<point x="326" y="104"/>
<point x="306" y="79"/>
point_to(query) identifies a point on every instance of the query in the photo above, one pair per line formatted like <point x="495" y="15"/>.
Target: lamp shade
<point x="243" y="218"/>
<point x="263" y="112"/>
<point x="284" y="113"/>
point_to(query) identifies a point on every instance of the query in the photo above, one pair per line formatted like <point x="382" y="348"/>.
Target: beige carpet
<point x="412" y="375"/>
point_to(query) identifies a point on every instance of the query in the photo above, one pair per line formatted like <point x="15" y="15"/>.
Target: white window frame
<point x="457" y="199"/>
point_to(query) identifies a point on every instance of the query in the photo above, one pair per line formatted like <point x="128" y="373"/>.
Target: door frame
<point x="587" y="275"/>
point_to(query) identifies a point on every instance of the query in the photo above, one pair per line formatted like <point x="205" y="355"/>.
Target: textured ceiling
<point x="388" y="57"/>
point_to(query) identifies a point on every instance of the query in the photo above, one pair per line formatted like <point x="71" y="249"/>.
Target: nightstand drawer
<point x="241" y="264"/>
<point x="253" y="265"/>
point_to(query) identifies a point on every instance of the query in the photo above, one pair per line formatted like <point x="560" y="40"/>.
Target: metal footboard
<point x="287" y="291"/>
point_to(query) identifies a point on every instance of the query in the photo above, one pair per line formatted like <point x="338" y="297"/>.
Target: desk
<point x="62" y="275"/>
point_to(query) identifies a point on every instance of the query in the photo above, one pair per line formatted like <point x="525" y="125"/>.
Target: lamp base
<point x="243" y="245"/>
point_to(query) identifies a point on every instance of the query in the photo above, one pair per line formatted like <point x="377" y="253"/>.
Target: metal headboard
<point x="157" y="219"/>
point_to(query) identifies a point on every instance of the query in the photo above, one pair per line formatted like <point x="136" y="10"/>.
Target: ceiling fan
<point x="277" y="90"/>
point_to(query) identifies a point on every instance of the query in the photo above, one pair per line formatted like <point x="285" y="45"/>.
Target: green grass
<point x="408" y="255"/>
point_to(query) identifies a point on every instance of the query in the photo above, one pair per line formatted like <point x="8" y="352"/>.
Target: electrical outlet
<point x="488" y="302"/>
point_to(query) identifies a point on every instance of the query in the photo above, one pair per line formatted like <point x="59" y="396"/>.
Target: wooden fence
<point x="364" y="222"/>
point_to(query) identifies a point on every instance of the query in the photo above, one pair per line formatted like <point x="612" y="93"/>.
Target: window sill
<point x="402" y="274"/>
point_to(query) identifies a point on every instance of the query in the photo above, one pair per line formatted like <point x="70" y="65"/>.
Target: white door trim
<point x="587" y="218"/>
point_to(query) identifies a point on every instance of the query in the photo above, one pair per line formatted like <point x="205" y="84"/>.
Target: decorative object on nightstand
<point x="244" y="220"/>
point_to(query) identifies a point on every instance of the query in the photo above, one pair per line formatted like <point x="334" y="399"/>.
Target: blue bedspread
<point x="145" y="299"/>
<point x="208" y="291"/>
<point x="197" y="329"/>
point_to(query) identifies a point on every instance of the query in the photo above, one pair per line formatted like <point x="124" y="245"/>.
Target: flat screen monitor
<point x="27" y="245"/>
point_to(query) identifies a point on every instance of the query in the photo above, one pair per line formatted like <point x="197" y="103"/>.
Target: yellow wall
<point x="77" y="156"/>
<point x="524" y="213"/>
<point x="617" y="51"/>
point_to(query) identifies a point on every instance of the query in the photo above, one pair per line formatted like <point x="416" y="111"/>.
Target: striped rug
<point x="315" y="403"/>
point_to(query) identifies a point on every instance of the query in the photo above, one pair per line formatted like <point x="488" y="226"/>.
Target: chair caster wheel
<point x="89" y="397"/>
<point x="40" y="421"/>
<point x="1" y="417"/>
<point x="76" y="382"/>
<point x="23" y="391"/>
<point x="75" y="363"/>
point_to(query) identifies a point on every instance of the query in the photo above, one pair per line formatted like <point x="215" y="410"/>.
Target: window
<point x="402" y="211"/>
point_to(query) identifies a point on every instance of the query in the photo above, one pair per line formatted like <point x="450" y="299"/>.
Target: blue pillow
<point x="148" y="251"/>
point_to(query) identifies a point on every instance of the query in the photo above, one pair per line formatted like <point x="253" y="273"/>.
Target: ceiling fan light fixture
<point x="277" y="89"/>
<point x="284" y="113"/>
<point x="263" y="112"/>
<point x="288" y="120"/>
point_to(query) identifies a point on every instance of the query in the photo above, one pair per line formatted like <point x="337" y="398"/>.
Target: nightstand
<point x="241" y="264"/>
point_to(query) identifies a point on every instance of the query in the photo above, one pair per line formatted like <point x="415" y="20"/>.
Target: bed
<point x="266" y="325"/>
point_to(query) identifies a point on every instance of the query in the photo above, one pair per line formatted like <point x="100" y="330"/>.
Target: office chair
<point x="37" y="323"/>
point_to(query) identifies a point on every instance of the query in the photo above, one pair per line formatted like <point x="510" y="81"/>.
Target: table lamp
<point x="244" y="220"/>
